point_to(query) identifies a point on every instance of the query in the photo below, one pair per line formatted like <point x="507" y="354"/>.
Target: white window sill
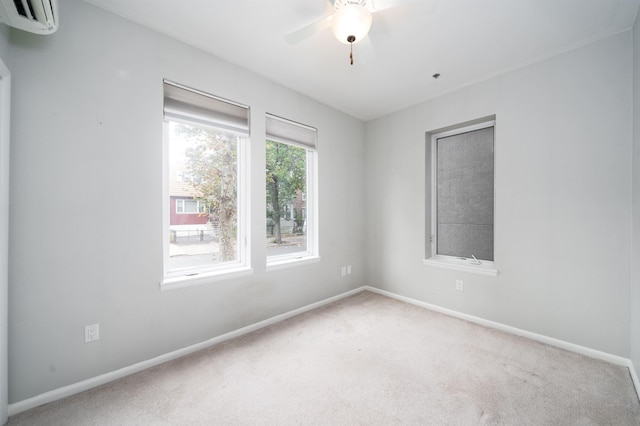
<point x="182" y="281"/>
<point x="275" y="264"/>
<point x="485" y="268"/>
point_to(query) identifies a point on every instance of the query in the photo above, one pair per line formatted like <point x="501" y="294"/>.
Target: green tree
<point x="211" y="160"/>
<point x="286" y="174"/>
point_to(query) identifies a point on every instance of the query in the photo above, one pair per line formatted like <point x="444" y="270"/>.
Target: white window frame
<point x="311" y="254"/>
<point x="186" y="277"/>
<point x="481" y="267"/>
<point x="182" y="202"/>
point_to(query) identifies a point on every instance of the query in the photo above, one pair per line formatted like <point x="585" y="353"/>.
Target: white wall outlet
<point x="348" y="269"/>
<point x="91" y="333"/>
<point x="344" y="270"/>
<point x="459" y="285"/>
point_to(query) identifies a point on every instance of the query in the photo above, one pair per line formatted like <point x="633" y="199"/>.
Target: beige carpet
<point x="365" y="360"/>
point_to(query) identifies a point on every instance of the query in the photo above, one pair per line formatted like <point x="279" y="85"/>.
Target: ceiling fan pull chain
<point x="351" y="39"/>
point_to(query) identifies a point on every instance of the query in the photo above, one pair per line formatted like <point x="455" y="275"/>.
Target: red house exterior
<point x="184" y="209"/>
<point x="182" y="217"/>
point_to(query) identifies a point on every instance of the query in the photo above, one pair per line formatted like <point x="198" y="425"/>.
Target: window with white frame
<point x="187" y="206"/>
<point x="206" y="139"/>
<point x="291" y="215"/>
<point x="462" y="198"/>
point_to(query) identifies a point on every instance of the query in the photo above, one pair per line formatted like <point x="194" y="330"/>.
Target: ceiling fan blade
<point x="425" y="6"/>
<point x="379" y="5"/>
<point x="307" y="31"/>
<point x="401" y="11"/>
<point x="365" y="53"/>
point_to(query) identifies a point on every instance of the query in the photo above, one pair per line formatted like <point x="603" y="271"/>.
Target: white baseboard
<point x="582" y="350"/>
<point x="83" y="385"/>
<point x="72" y="389"/>
<point x="634" y="377"/>
<point x="592" y="353"/>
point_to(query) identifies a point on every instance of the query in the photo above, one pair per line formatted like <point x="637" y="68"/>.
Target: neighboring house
<point x="300" y="211"/>
<point x="294" y="215"/>
<point x="187" y="215"/>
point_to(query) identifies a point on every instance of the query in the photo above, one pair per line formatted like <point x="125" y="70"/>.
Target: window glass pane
<point x="203" y="170"/>
<point x="191" y="206"/>
<point x="286" y="180"/>
<point x="465" y="194"/>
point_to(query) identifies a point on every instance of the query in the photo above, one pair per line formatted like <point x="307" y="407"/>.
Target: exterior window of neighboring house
<point x="205" y="220"/>
<point x="187" y="206"/>
<point x="462" y="198"/>
<point x="292" y="233"/>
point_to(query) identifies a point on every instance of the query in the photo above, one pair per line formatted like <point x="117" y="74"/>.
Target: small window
<point x="205" y="145"/>
<point x="187" y="206"/>
<point x="291" y="194"/>
<point x="462" y="197"/>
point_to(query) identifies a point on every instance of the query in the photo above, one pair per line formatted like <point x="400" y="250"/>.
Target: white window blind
<point x="185" y="104"/>
<point x="282" y="130"/>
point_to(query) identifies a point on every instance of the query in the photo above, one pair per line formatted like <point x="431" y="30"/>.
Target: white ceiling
<point x="466" y="41"/>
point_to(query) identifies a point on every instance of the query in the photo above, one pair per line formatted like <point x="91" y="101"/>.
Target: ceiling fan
<point x="350" y="21"/>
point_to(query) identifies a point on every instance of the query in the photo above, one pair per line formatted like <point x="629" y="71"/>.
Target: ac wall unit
<point x="35" y="16"/>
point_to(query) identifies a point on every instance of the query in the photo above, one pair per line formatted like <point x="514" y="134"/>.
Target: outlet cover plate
<point x="91" y="333"/>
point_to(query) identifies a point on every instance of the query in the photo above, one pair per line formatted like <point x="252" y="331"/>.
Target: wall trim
<point x="83" y="385"/>
<point x="571" y="347"/>
<point x="592" y="353"/>
<point x="634" y="377"/>
<point x="74" y="388"/>
<point x="5" y="148"/>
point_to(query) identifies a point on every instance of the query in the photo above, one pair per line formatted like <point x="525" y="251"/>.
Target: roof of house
<point x="178" y="185"/>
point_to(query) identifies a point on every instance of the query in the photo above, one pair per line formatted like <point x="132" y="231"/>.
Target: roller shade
<point x="282" y="130"/>
<point x="184" y="104"/>
<point x="465" y="194"/>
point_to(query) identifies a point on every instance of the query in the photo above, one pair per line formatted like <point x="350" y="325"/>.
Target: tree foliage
<point x="286" y="174"/>
<point x="211" y="160"/>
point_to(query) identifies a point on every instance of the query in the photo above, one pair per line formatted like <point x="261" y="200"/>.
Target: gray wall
<point x="635" y="277"/>
<point x="4" y="41"/>
<point x="563" y="198"/>
<point x="86" y="230"/>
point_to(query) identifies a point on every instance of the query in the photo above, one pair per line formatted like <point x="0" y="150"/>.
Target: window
<point x="462" y="198"/>
<point x="186" y="206"/>
<point x="205" y="153"/>
<point x="291" y="214"/>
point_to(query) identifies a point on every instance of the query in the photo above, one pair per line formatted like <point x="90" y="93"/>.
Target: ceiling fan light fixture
<point x="351" y="23"/>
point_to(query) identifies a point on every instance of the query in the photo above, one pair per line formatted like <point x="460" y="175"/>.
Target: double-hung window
<point x="462" y="198"/>
<point x="205" y="138"/>
<point x="292" y="233"/>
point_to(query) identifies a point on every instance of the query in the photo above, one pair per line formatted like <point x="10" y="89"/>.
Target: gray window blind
<point x="184" y="104"/>
<point x="282" y="130"/>
<point x="465" y="194"/>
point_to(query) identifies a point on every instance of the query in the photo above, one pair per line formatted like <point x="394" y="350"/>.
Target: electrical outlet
<point x="348" y="269"/>
<point x="91" y="333"/>
<point x="459" y="285"/>
<point x="344" y="270"/>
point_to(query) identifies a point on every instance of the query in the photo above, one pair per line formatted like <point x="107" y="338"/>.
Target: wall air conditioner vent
<point x="35" y="16"/>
